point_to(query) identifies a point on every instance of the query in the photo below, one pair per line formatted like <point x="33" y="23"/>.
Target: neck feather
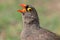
<point x="32" y="24"/>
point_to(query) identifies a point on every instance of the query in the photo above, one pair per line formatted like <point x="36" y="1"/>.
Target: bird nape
<point x="31" y="28"/>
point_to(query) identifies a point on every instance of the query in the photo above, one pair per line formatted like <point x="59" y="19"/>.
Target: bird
<point x="31" y="26"/>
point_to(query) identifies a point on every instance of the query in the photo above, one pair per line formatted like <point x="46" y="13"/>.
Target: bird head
<point x="26" y="8"/>
<point x="28" y="12"/>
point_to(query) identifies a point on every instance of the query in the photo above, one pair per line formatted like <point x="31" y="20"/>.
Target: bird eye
<point x="29" y="9"/>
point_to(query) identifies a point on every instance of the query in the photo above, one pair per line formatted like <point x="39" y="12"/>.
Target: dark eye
<point x="29" y="9"/>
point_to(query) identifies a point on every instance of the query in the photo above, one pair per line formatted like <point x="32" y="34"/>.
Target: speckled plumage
<point x="32" y="30"/>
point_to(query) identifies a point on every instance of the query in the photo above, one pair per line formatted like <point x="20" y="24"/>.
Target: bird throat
<point x="34" y="24"/>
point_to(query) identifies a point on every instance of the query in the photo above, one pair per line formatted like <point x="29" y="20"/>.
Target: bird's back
<point x="38" y="34"/>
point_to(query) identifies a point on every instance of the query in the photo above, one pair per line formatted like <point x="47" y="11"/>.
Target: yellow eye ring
<point x="29" y="9"/>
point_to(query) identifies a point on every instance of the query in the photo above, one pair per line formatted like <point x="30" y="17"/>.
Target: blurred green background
<point x="11" y="20"/>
